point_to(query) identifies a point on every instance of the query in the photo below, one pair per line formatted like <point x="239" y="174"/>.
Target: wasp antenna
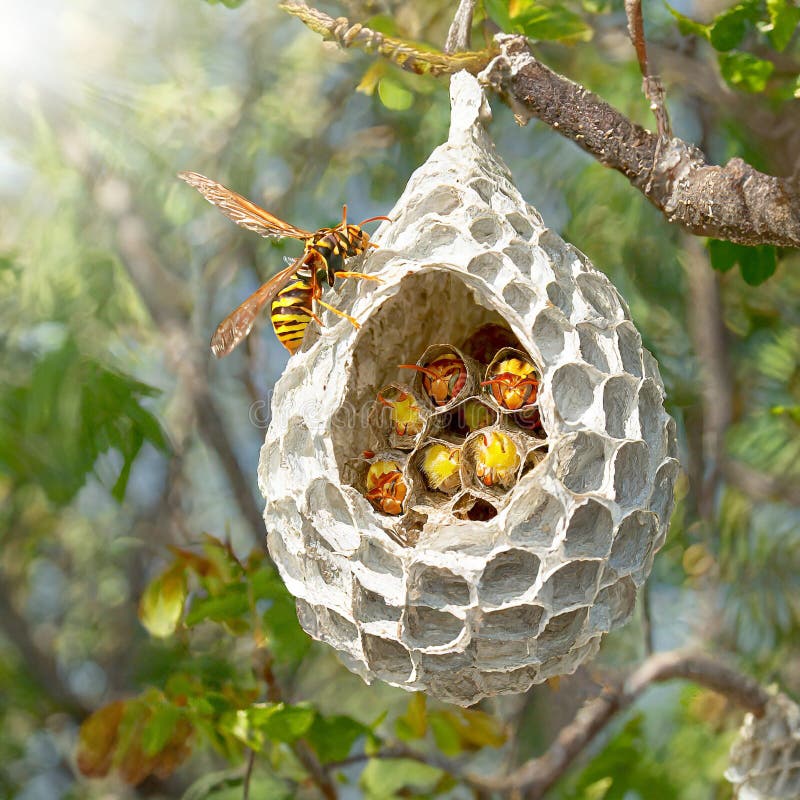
<point x="424" y="370"/>
<point x="344" y="216"/>
<point x="374" y="219"/>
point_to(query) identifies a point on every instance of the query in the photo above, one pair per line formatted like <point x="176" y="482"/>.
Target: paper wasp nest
<point x="470" y="593"/>
<point x="765" y="758"/>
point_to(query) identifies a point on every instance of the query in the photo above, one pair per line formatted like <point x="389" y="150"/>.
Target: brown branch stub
<point x="734" y="202"/>
<point x="538" y="775"/>
<point x="653" y="90"/>
<point x="458" y="37"/>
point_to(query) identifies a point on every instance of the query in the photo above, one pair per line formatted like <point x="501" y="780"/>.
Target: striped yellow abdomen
<point x="290" y="308"/>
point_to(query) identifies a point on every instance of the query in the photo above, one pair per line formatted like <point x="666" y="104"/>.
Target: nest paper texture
<point x="765" y="758"/>
<point x="473" y="609"/>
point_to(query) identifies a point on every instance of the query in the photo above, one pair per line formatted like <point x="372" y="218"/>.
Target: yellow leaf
<point x="370" y="79"/>
<point x="162" y="603"/>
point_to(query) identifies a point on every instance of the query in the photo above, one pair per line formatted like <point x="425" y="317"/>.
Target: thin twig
<point x="301" y="749"/>
<point x="248" y="774"/>
<point x="406" y="55"/>
<point x="653" y="90"/>
<point x="460" y="34"/>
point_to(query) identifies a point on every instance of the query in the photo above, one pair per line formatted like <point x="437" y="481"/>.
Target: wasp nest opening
<point x="463" y="428"/>
<point x="475" y="521"/>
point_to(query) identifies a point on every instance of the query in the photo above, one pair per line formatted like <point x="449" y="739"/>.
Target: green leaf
<point x="383" y="779"/>
<point x="222" y="608"/>
<point x="556" y="22"/>
<point x="498" y="11"/>
<point x="66" y="411"/>
<point x="394" y="95"/>
<point x="268" y="787"/>
<point x="333" y="737"/>
<point x="466" y="729"/>
<point x="268" y="721"/>
<point x="445" y="735"/>
<point x="280" y="722"/>
<point x="687" y="26"/>
<point x="784" y="17"/>
<point x="205" y="786"/>
<point x="729" y="27"/>
<point x="162" y="602"/>
<point x="158" y="729"/>
<point x="414" y="723"/>
<point x="745" y="71"/>
<point x="723" y="254"/>
<point x="287" y="641"/>
<point x="757" y="264"/>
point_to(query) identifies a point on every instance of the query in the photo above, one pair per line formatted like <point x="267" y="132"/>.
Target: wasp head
<point x="406" y="415"/>
<point x="514" y="382"/>
<point x="443" y="378"/>
<point x="386" y="489"/>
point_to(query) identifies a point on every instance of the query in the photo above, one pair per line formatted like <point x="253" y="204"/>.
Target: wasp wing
<point x="241" y="210"/>
<point x="235" y="327"/>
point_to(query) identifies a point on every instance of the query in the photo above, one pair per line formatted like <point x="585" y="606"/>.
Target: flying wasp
<point x="295" y="289"/>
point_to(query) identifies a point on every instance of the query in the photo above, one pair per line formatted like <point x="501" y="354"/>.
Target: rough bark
<point x="734" y="202"/>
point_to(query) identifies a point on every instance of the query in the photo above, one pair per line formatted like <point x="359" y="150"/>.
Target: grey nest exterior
<point x="473" y="608"/>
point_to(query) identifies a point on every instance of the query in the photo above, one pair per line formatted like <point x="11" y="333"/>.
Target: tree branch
<point x="710" y="342"/>
<point x="734" y="202"/>
<point x="41" y="666"/>
<point x="536" y="776"/>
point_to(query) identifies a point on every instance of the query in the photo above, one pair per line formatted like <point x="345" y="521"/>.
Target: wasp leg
<point x="359" y="275"/>
<point x="311" y="314"/>
<point x="336" y="311"/>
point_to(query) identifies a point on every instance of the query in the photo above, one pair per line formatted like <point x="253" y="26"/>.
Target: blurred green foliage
<point x="182" y="649"/>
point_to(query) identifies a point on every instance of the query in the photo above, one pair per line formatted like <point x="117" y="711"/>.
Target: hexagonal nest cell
<point x="765" y="757"/>
<point x="465" y="494"/>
